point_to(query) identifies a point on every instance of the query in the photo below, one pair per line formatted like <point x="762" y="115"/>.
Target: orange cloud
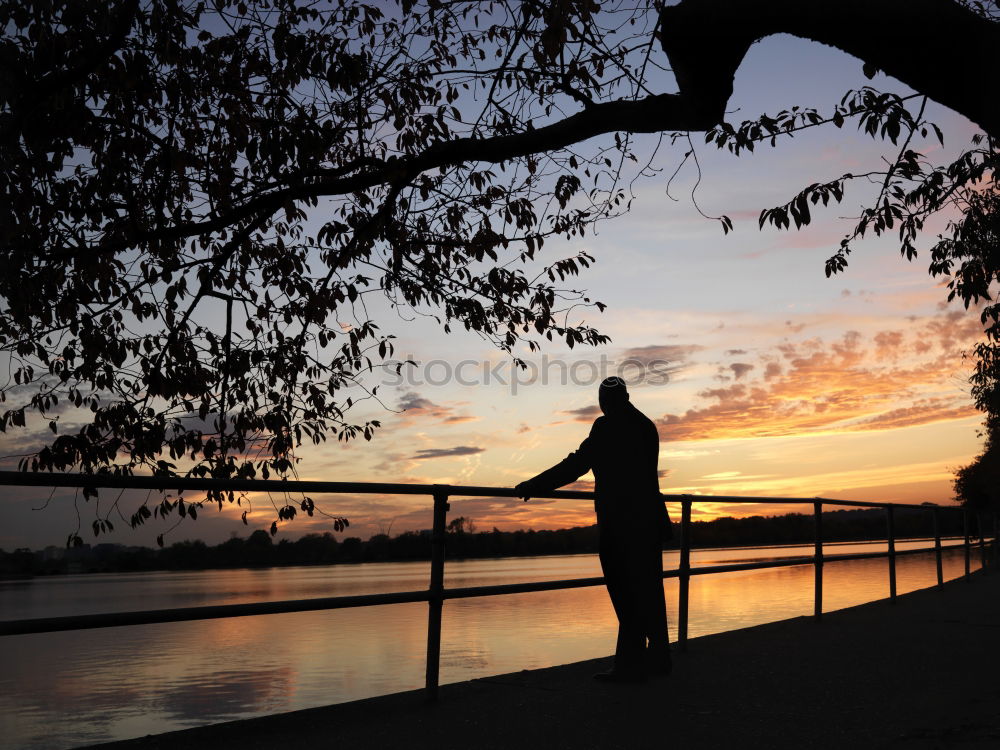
<point x="888" y="343"/>
<point x="922" y="412"/>
<point x="853" y="383"/>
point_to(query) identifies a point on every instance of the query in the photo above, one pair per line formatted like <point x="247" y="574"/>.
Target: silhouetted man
<point x="622" y="451"/>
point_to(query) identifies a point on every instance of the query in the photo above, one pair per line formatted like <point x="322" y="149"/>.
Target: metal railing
<point x="436" y="594"/>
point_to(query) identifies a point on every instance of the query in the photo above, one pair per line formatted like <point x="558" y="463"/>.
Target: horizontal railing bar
<point x="27" y="479"/>
<point x="833" y="556"/>
<point x="697" y="570"/>
<point x="839" y="543"/>
<point x="926" y="549"/>
<point x="872" y="555"/>
<point x="730" y="567"/>
<point x="44" y="479"/>
<point x="183" y="614"/>
<point x="856" y="556"/>
<point x="799" y="500"/>
<point x="499" y="589"/>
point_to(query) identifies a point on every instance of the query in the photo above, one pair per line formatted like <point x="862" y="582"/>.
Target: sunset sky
<point x="783" y="382"/>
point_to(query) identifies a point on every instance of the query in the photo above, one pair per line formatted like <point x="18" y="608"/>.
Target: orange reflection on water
<point x="66" y="689"/>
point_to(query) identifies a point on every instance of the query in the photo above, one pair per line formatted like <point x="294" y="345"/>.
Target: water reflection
<point x="228" y="693"/>
<point x="67" y="689"/>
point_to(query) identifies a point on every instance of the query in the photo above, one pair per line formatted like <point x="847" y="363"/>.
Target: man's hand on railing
<point x="526" y="489"/>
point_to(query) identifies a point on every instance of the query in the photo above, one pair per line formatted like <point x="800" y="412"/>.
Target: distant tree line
<point x="463" y="541"/>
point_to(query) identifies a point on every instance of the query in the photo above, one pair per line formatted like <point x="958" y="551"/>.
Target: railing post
<point x="818" y="599"/>
<point x="937" y="549"/>
<point x="982" y="540"/>
<point x="435" y="599"/>
<point x="996" y="540"/>
<point x="968" y="548"/>
<point x="891" y="536"/>
<point x="684" y="573"/>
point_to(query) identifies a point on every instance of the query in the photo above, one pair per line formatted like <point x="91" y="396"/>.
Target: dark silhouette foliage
<point x="977" y="485"/>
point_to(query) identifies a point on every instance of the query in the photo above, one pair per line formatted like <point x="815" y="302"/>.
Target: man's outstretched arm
<point x="571" y="468"/>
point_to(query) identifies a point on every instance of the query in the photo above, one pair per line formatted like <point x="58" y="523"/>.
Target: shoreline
<point x="6" y="577"/>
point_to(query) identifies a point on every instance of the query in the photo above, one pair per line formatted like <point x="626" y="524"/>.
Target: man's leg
<point x="631" y="644"/>
<point x="654" y="608"/>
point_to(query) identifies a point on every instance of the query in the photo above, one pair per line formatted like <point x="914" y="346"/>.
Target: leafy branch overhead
<point x="204" y="200"/>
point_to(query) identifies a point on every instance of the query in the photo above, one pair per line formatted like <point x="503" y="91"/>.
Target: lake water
<point x="61" y="690"/>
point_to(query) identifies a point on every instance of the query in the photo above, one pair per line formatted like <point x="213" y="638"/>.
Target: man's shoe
<point x="659" y="661"/>
<point x="621" y="676"/>
<point x="662" y="666"/>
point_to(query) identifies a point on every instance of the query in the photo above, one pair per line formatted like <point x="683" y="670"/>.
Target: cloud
<point x="458" y="418"/>
<point x="837" y="483"/>
<point x="674" y="353"/>
<point x="723" y="475"/>
<point x="392" y="463"/>
<point x="888" y="344"/>
<point x="922" y="412"/>
<point x="584" y="413"/>
<point x="740" y="369"/>
<point x="458" y="450"/>
<point x="951" y="328"/>
<point x="415" y="407"/>
<point x="655" y="364"/>
<point x="887" y="380"/>
<point x="862" y="294"/>
<point x="414" y="402"/>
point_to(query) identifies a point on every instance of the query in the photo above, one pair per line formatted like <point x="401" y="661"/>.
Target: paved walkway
<point x="920" y="674"/>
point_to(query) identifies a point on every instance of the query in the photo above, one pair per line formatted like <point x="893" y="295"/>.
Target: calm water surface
<point x="62" y="690"/>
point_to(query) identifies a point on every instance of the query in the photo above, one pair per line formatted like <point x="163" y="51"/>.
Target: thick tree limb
<point x="937" y="47"/>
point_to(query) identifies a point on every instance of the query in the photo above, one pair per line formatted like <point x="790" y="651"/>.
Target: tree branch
<point x="919" y="42"/>
<point x="648" y="115"/>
